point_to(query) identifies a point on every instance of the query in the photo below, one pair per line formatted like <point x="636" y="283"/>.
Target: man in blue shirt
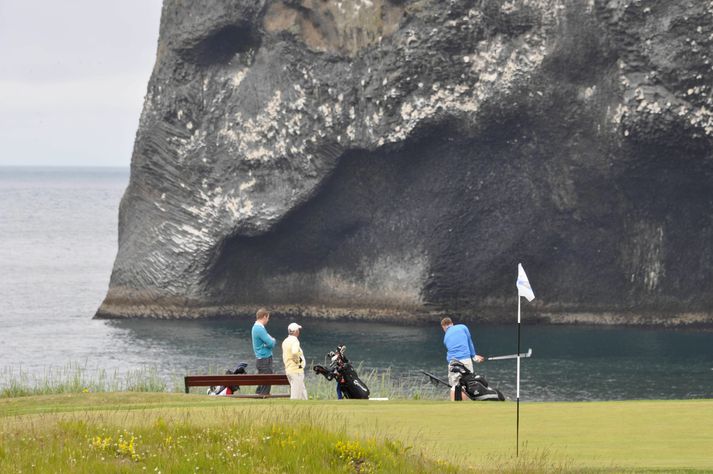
<point x="460" y="347"/>
<point x="262" y="345"/>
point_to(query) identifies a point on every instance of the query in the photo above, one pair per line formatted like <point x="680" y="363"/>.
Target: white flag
<point x="523" y="284"/>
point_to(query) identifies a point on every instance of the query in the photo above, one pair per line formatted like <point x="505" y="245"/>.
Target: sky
<point x="73" y="75"/>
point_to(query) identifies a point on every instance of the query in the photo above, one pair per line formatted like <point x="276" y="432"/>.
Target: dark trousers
<point x="264" y="366"/>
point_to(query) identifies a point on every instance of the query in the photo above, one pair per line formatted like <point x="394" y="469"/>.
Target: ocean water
<point x="58" y="231"/>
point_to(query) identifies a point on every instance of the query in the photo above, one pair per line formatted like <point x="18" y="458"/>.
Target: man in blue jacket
<point x="460" y="347"/>
<point x="262" y="345"/>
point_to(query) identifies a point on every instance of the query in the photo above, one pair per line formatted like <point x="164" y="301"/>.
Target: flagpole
<point x="517" y="429"/>
<point x="523" y="289"/>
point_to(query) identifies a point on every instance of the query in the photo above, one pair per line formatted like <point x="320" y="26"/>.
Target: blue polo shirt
<point x="458" y="343"/>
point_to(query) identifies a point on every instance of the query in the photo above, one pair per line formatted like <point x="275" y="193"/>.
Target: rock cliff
<point x="397" y="159"/>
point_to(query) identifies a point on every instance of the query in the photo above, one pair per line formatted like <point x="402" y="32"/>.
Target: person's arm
<point x="267" y="340"/>
<point x="471" y="346"/>
<point x="296" y="349"/>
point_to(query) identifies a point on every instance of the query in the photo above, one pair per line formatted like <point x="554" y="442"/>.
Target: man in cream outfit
<point x="294" y="361"/>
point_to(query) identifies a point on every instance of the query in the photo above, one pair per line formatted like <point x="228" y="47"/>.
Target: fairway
<point x="608" y="436"/>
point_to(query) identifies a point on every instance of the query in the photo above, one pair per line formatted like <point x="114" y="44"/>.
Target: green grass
<point x="75" y="378"/>
<point x="77" y="433"/>
<point x="68" y="433"/>
<point x="382" y="384"/>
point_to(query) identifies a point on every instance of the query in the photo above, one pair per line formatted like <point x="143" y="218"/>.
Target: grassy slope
<point x="633" y="435"/>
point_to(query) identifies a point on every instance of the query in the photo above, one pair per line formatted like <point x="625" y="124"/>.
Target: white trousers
<point x="298" y="391"/>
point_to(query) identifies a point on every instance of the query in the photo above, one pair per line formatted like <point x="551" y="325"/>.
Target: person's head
<point x="446" y="323"/>
<point x="294" y="329"/>
<point x="262" y="315"/>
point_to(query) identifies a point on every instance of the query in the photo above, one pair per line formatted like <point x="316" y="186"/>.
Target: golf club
<point x="511" y="356"/>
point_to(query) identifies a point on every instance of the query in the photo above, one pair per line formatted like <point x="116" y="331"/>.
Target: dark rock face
<point x="395" y="159"/>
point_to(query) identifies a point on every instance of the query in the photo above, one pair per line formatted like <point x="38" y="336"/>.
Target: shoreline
<point x="410" y="316"/>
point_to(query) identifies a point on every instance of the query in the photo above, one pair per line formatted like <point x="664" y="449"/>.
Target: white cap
<point x="293" y="327"/>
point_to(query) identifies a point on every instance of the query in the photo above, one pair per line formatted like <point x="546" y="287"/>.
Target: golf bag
<point x="227" y="391"/>
<point x="341" y="370"/>
<point x="475" y="386"/>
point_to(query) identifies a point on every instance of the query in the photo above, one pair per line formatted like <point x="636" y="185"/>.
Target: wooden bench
<point x="238" y="379"/>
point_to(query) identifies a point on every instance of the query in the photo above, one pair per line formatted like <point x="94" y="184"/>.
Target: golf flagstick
<point x="523" y="290"/>
<point x="517" y="390"/>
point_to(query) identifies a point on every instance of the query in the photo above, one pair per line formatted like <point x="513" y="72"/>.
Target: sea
<point x="58" y="241"/>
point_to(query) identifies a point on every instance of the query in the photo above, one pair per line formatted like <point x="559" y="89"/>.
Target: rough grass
<point x="349" y="436"/>
<point x="382" y="384"/>
<point x="76" y="378"/>
<point x="189" y="441"/>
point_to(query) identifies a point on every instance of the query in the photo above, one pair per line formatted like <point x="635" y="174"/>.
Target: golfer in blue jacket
<point x="460" y="347"/>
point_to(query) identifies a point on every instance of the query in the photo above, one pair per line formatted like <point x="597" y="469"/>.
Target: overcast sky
<point x="73" y="75"/>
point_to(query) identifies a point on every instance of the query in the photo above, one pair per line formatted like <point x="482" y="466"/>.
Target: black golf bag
<point x="341" y="370"/>
<point x="475" y="386"/>
<point x="226" y="391"/>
